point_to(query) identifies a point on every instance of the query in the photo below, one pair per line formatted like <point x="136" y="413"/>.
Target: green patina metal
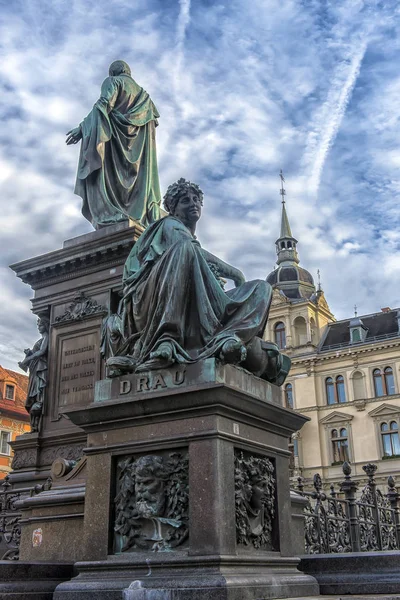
<point x="117" y="176"/>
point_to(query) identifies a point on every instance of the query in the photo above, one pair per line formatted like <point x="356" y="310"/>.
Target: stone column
<point x="212" y="489"/>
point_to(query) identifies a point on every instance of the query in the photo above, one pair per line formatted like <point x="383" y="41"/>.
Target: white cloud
<point x="243" y="89"/>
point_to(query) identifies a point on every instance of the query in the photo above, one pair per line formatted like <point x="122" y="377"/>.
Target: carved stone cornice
<point x="342" y="354"/>
<point x="358" y="404"/>
<point x="95" y="250"/>
<point x="350" y="352"/>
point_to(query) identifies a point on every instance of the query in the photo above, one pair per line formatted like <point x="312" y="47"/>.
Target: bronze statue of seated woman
<point x="174" y="308"/>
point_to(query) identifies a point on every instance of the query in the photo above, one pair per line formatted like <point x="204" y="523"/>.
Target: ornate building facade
<point x="345" y="375"/>
<point x="14" y="420"/>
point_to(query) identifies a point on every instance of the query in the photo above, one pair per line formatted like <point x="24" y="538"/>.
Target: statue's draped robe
<point x="37" y="376"/>
<point x="117" y="172"/>
<point x="171" y="294"/>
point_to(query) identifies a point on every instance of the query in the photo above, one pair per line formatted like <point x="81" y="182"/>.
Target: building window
<point x="389" y="381"/>
<point x="335" y="390"/>
<point x="300" y="331"/>
<point x="340" y="391"/>
<point x="383" y="382"/>
<point x="280" y="335"/>
<point x="289" y="395"/>
<point x="390" y="439"/>
<point x="358" y="386"/>
<point x="10" y="392"/>
<point x="340" y="446"/>
<point x="330" y="390"/>
<point x="5" y="437"/>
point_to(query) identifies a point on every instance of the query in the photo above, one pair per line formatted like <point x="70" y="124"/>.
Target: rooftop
<point x="380" y="326"/>
<point x="17" y="405"/>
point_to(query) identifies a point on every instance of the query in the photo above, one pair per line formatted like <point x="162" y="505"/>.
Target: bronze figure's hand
<point x="74" y="136"/>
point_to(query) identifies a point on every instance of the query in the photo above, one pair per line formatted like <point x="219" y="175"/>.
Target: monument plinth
<point x="187" y="491"/>
<point x="74" y="287"/>
<point x="170" y="478"/>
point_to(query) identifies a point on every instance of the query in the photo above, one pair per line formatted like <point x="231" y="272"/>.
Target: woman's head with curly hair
<point x="178" y="189"/>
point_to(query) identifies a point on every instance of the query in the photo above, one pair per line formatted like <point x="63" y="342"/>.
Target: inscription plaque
<point x="78" y="370"/>
<point x="78" y="367"/>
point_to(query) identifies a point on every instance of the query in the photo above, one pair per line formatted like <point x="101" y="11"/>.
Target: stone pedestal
<point x="187" y="490"/>
<point x="75" y="287"/>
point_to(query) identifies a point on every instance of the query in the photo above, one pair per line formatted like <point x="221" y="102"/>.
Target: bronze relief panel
<point x="151" y="503"/>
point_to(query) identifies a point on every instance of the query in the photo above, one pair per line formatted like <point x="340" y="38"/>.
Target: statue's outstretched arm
<point x="224" y="268"/>
<point x="108" y="97"/>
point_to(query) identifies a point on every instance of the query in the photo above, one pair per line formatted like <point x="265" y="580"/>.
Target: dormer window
<point x="358" y="331"/>
<point x="10" y="391"/>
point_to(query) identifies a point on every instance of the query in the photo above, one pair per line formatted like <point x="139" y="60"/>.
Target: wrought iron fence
<point x="336" y="524"/>
<point x="10" y="528"/>
<point x="10" y="516"/>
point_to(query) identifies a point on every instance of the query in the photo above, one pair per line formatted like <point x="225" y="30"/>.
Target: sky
<point x="244" y="89"/>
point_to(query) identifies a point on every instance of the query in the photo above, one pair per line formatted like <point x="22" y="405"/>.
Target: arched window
<point x="355" y="335"/>
<point x="340" y="447"/>
<point x="390" y="439"/>
<point x="383" y="382"/>
<point x="389" y="381"/>
<point x="288" y="395"/>
<point x="378" y="384"/>
<point x="358" y="386"/>
<point x="340" y="391"/>
<point x="330" y="390"/>
<point x="300" y="331"/>
<point x="335" y="390"/>
<point x="280" y="335"/>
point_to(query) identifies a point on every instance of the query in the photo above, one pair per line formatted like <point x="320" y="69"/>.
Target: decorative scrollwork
<point x="327" y="527"/>
<point x="10" y="528"/>
<point x="377" y="518"/>
<point x="338" y="526"/>
<point x="255" y="500"/>
<point x="334" y="524"/>
<point x="81" y="307"/>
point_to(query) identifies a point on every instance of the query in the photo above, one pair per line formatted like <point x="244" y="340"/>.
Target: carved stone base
<point x="23" y="581"/>
<point x="187" y="493"/>
<point x="168" y="577"/>
<point x="366" y="573"/>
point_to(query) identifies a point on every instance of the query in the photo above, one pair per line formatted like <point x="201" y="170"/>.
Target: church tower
<point x="299" y="312"/>
<point x="294" y="281"/>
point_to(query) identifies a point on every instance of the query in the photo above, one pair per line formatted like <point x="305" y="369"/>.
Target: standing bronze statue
<point x="174" y="308"/>
<point x="117" y="176"/>
<point x="36" y="361"/>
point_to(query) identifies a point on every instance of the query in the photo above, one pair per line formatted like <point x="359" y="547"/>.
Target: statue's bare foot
<point x="233" y="352"/>
<point x="118" y="365"/>
<point x="161" y="358"/>
<point x="164" y="351"/>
